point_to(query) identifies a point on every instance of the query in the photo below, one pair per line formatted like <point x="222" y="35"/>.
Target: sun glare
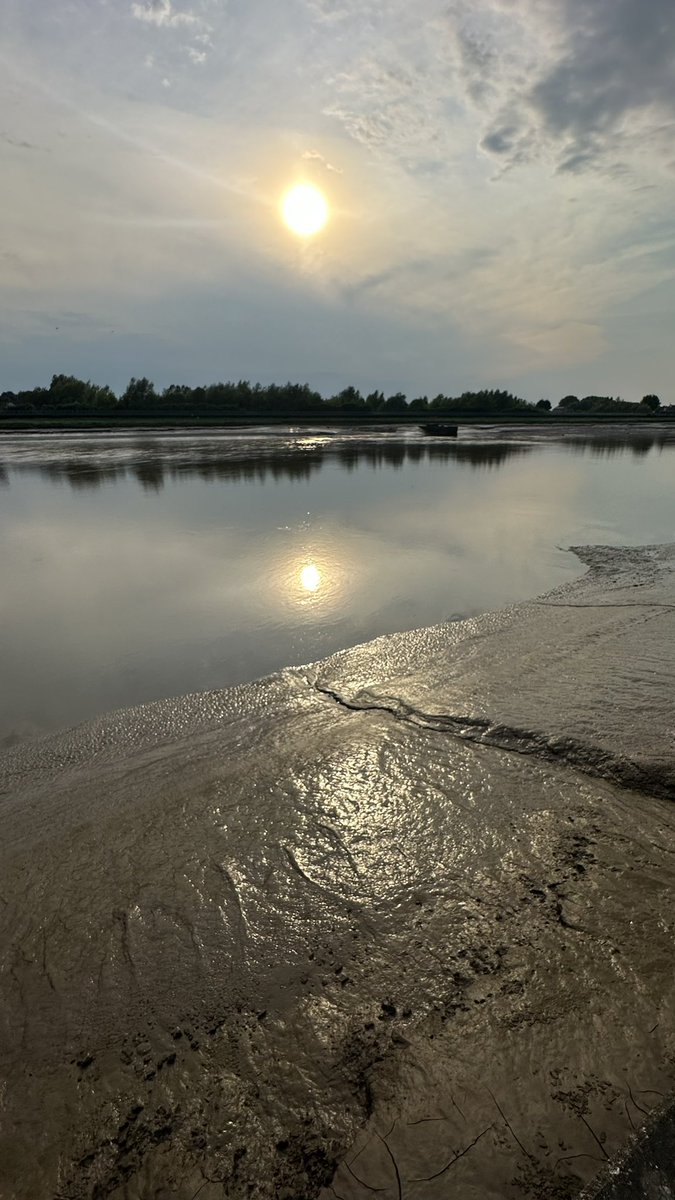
<point x="310" y="578"/>
<point x="304" y="209"/>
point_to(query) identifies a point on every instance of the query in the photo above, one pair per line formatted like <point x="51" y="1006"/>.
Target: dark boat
<point x="436" y="430"/>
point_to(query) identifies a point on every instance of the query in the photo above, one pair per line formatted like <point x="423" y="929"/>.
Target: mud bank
<point x="399" y="922"/>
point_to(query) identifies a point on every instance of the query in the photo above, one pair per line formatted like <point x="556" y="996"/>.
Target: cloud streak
<point x="162" y="14"/>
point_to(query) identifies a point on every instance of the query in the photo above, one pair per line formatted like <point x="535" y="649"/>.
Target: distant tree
<point x="486" y="401"/>
<point x="68" y="395"/>
<point x="440" y="401"/>
<point x="297" y="397"/>
<point x="395" y="404"/>
<point x="349" y="397"/>
<point x="178" y="395"/>
<point x="140" y="393"/>
<point x="31" y="399"/>
<point x="68" y="391"/>
<point x="102" y="396"/>
<point x="606" y="405"/>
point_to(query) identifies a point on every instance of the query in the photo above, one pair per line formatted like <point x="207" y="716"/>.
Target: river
<point x="142" y="565"/>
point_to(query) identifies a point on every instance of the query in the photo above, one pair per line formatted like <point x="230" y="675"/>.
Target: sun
<point x="304" y="209"/>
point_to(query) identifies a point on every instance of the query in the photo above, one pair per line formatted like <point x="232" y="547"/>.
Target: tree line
<point x="69" y="396"/>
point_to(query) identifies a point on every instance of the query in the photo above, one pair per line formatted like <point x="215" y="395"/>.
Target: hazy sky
<point x="501" y="177"/>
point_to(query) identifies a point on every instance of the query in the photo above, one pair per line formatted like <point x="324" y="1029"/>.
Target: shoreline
<point x="344" y="906"/>
<point x="232" y="424"/>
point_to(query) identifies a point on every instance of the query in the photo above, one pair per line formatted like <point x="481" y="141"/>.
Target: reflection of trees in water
<point x="153" y="473"/>
<point x="609" y="445"/>
<point x="155" y="462"/>
<point x="4" y="475"/>
<point x="90" y="476"/>
<point x="371" y="454"/>
<point x="150" y="473"/>
<point x="254" y="470"/>
<point x="490" y="454"/>
<point x="151" y="463"/>
<point x="80" y="474"/>
<point x="474" y="454"/>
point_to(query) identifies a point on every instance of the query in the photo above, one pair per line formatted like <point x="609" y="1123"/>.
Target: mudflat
<point x="398" y="922"/>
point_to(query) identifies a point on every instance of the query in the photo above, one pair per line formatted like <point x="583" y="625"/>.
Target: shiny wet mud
<point x="386" y="924"/>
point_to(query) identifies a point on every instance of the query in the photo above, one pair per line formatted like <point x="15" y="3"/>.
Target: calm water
<point x="136" y="566"/>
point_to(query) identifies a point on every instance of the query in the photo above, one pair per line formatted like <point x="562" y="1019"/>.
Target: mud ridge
<point x="582" y="756"/>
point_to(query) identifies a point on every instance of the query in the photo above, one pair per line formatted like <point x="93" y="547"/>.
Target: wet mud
<point x="399" y="923"/>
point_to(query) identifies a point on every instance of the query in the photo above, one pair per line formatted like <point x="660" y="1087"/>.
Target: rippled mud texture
<point x="393" y="924"/>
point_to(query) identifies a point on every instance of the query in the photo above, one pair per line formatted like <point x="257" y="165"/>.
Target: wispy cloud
<point x="314" y="156"/>
<point x="162" y="14"/>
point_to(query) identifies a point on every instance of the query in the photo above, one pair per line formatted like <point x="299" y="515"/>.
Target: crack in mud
<point x="582" y="756"/>
<point x="455" y="1159"/>
<point x="600" y="604"/>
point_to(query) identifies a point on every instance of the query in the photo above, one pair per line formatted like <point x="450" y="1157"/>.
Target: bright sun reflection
<point x="310" y="578"/>
<point x="304" y="209"/>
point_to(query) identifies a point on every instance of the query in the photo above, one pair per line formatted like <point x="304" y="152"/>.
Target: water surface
<point x="142" y="565"/>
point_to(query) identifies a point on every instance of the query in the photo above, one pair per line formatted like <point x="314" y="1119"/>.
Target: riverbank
<point x="205" y="421"/>
<point x="399" y="921"/>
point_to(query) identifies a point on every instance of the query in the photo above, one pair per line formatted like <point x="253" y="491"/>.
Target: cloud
<point x="314" y="156"/>
<point x="19" y="143"/>
<point x="603" y="91"/>
<point x="162" y="14"/>
<point x="163" y="166"/>
<point x="619" y="57"/>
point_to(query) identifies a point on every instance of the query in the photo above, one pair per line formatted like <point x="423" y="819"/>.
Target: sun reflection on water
<point x="313" y="579"/>
<point x="310" y="577"/>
